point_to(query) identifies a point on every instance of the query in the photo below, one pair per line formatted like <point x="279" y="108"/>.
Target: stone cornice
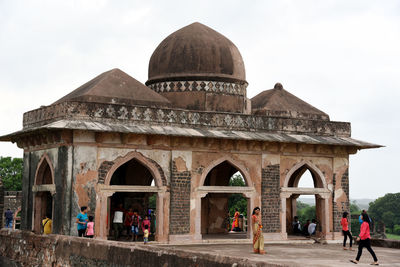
<point x="178" y="117"/>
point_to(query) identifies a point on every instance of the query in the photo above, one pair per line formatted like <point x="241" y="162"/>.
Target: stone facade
<point x="1" y="203"/>
<point x="177" y="142"/>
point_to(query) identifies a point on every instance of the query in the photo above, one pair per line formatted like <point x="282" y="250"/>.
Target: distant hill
<point x="363" y="203"/>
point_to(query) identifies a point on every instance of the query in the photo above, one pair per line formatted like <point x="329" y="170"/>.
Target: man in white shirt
<point x="118" y="220"/>
<point x="311" y="227"/>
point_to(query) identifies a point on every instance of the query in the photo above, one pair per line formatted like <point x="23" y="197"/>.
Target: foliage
<point x="396" y="229"/>
<point x="237" y="201"/>
<point x="386" y="209"/>
<point x="152" y="201"/>
<point x="305" y="212"/>
<point x="391" y="236"/>
<point x="355" y="227"/>
<point x="237" y="180"/>
<point x="11" y="173"/>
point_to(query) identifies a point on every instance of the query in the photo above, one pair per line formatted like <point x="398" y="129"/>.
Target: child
<point x="146" y="234"/>
<point x="90" y="228"/>
<point x="135" y="225"/>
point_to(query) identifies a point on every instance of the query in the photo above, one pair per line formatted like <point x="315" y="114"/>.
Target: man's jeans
<point x="9" y="224"/>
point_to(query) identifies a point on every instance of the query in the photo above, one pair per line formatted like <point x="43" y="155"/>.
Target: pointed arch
<point x="41" y="171"/>
<point x="152" y="166"/>
<point x="240" y="167"/>
<point x="293" y="176"/>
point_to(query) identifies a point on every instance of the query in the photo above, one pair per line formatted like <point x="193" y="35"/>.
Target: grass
<point x="391" y="236"/>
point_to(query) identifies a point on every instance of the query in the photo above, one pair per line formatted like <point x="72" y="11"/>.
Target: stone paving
<point x="297" y="255"/>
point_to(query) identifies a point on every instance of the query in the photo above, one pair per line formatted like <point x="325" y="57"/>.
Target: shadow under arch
<point x="240" y="167"/>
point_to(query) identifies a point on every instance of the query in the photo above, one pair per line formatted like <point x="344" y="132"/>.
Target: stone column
<point x="101" y="220"/>
<point x="197" y="226"/>
<point x="284" y="196"/>
<point x="325" y="223"/>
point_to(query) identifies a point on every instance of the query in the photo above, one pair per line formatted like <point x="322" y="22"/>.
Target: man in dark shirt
<point x="9" y="218"/>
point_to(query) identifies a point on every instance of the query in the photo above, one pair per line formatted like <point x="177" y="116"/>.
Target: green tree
<point x="386" y="209"/>
<point x="11" y="173"/>
<point x="237" y="201"/>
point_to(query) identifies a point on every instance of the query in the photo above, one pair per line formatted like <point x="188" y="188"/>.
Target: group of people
<point x="132" y="222"/>
<point x="85" y="223"/>
<point x="235" y="223"/>
<point x="364" y="238"/>
<point x="308" y="229"/>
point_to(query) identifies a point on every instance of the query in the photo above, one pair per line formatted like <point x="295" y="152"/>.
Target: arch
<point x="152" y="166"/>
<point x="231" y="161"/>
<point x="40" y="170"/>
<point x="295" y="173"/>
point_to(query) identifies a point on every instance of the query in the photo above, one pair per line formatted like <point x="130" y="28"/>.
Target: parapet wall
<point x="22" y="248"/>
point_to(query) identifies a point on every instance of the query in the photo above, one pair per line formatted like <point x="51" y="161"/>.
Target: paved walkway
<point x="298" y="255"/>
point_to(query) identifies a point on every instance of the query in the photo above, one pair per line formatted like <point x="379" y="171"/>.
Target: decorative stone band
<point x="96" y="112"/>
<point x="193" y="86"/>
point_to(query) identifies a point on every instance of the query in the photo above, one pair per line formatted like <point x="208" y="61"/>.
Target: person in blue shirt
<point x="360" y="218"/>
<point x="9" y="215"/>
<point x="81" y="221"/>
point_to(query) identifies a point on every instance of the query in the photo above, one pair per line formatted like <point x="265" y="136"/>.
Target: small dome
<point x="196" y="52"/>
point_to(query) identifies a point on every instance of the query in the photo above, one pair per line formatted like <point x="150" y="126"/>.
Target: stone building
<point x="180" y="138"/>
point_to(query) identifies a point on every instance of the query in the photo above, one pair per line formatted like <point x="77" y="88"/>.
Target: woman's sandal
<point x="353" y="261"/>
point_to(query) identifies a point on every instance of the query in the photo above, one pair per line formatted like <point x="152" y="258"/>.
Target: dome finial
<point x="278" y="86"/>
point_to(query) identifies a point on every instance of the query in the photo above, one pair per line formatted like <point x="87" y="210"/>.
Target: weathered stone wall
<point x="23" y="248"/>
<point x="270" y="191"/>
<point x="180" y="200"/>
<point x="60" y="161"/>
<point x="12" y="201"/>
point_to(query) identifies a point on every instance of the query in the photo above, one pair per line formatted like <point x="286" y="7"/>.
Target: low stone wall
<point x="22" y="248"/>
<point x="386" y="243"/>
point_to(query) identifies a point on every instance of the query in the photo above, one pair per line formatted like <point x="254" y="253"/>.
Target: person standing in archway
<point x="47" y="224"/>
<point x="235" y="223"/>
<point x="258" y="238"/>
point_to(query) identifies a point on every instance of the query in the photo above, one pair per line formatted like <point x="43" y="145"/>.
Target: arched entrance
<point x="43" y="189"/>
<point x="213" y="200"/>
<point x="136" y="183"/>
<point x="291" y="192"/>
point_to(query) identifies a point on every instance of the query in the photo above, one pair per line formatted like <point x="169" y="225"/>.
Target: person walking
<point x="365" y="241"/>
<point x="9" y="218"/>
<point x="81" y="221"/>
<point x="258" y="238"/>
<point x="345" y="230"/>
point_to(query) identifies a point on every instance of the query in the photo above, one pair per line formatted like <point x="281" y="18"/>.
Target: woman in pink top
<point x="146" y="221"/>
<point x="364" y="241"/>
<point x="345" y="231"/>
<point x="90" y="228"/>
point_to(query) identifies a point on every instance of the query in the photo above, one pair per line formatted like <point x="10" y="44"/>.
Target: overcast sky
<point x="342" y="57"/>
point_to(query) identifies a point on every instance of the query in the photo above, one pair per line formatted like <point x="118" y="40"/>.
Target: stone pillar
<point x="323" y="199"/>
<point x="1" y="204"/>
<point x="283" y="196"/>
<point x="197" y="226"/>
<point x="102" y="216"/>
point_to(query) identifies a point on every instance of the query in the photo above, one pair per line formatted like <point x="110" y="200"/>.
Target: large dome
<point x="196" y="52"/>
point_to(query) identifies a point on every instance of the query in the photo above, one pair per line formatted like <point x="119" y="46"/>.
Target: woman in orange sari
<point x="235" y="223"/>
<point x="258" y="238"/>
